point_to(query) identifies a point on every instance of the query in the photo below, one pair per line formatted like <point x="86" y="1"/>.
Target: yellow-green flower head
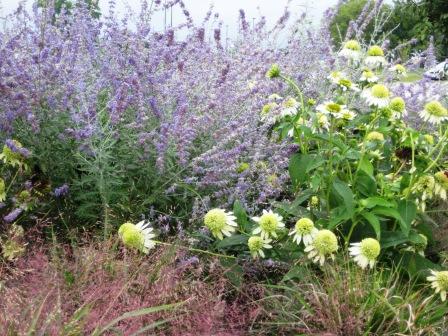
<point x="268" y="224"/>
<point x="274" y="71"/>
<point x="314" y="201"/>
<point x="23" y="196"/>
<point x="375" y="51"/>
<point x="311" y="102"/>
<point x="352" y="45"/>
<point x="441" y="185"/>
<point x="375" y="136"/>
<point x="366" y="252"/>
<point x="421" y="247"/>
<point x="345" y="83"/>
<point x="289" y="107"/>
<point x="322" y="120"/>
<point x="439" y="281"/>
<point x="324" y="245"/>
<point x="331" y="107"/>
<point x="351" y="50"/>
<point x="429" y="139"/>
<point x="398" y="69"/>
<point x="398" y="104"/>
<point x="304" y="229"/>
<point x="220" y="223"/>
<point x="137" y="236"/>
<point x="346" y="115"/>
<point x="267" y="108"/>
<point x="375" y="57"/>
<point x="256" y="245"/>
<point x="2" y="190"/>
<point x="335" y="76"/>
<point x="242" y="167"/>
<point x="378" y="95"/>
<point x="434" y="112"/>
<point x="368" y="76"/>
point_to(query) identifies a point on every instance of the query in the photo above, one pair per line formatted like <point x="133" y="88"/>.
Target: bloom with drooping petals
<point x="398" y="107"/>
<point x="268" y="224"/>
<point x="398" y="69"/>
<point x="220" y="223"/>
<point x="368" y="76"/>
<point x="138" y="236"/>
<point x="441" y="185"/>
<point x="351" y="50"/>
<point x="366" y="252"/>
<point x="335" y="76"/>
<point x="434" y="113"/>
<point x="304" y="229"/>
<point x="439" y="281"/>
<point x="324" y="245"/>
<point x="378" y="95"/>
<point x="375" y="57"/>
<point x="256" y="245"/>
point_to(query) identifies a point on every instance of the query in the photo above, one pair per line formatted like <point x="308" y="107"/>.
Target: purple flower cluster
<point x="17" y="149"/>
<point x="61" y="191"/>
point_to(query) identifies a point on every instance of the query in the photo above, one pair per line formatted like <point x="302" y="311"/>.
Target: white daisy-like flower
<point x="346" y="115"/>
<point x="375" y="57"/>
<point x="378" y="95"/>
<point x="398" y="69"/>
<point x="331" y="108"/>
<point x="346" y="84"/>
<point x="304" y="229"/>
<point x="220" y="223"/>
<point x="289" y="107"/>
<point x="368" y="76"/>
<point x="351" y="50"/>
<point x="324" y="245"/>
<point x="434" y="113"/>
<point x="256" y="245"/>
<point x="335" y="76"/>
<point x="138" y="236"/>
<point x="366" y="252"/>
<point x="441" y="185"/>
<point x="398" y="107"/>
<point x="268" y="224"/>
<point x="322" y="121"/>
<point x="439" y="281"/>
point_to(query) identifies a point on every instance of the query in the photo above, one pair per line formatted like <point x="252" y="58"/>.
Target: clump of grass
<point x="98" y="288"/>
<point x="345" y="300"/>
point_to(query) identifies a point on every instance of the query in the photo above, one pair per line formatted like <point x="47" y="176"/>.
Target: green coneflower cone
<point x="220" y="223"/>
<point x="324" y="245"/>
<point x="366" y="252"/>
<point x="256" y="245"/>
<point x="268" y="224"/>
<point x="397" y="104"/>
<point x="274" y="71"/>
<point x="137" y="236"/>
<point x="352" y="45"/>
<point x="375" y="136"/>
<point x="439" y="281"/>
<point x="375" y="51"/>
<point x="434" y="112"/>
<point x="304" y="229"/>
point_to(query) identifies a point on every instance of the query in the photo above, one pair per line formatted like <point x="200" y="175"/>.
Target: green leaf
<point x="298" y="165"/>
<point x="233" y="240"/>
<point x="337" y="216"/>
<point x="344" y="191"/>
<point x="408" y="211"/>
<point x="415" y="264"/>
<point x="393" y="213"/>
<point x="296" y="272"/>
<point x="233" y="271"/>
<point x="374" y="222"/>
<point x="392" y="239"/>
<point x="365" y="184"/>
<point x="374" y="201"/>
<point x="366" y="166"/>
<point x="241" y="216"/>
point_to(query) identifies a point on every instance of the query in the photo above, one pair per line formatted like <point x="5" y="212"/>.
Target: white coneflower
<point x="439" y="281"/>
<point x="351" y="50"/>
<point x="322" y="121"/>
<point x="346" y="115"/>
<point x="366" y="252"/>
<point x="398" y="69"/>
<point x="324" y="245"/>
<point x="441" y="185"/>
<point x="289" y="107"/>
<point x="256" y="245"/>
<point x="331" y="108"/>
<point x="398" y="107"/>
<point x="434" y="113"/>
<point x="335" y="76"/>
<point x="268" y="224"/>
<point x="346" y="84"/>
<point x="220" y="223"/>
<point x="375" y="57"/>
<point x="368" y="76"/>
<point x="378" y="95"/>
<point x="304" y="229"/>
<point x="138" y="236"/>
